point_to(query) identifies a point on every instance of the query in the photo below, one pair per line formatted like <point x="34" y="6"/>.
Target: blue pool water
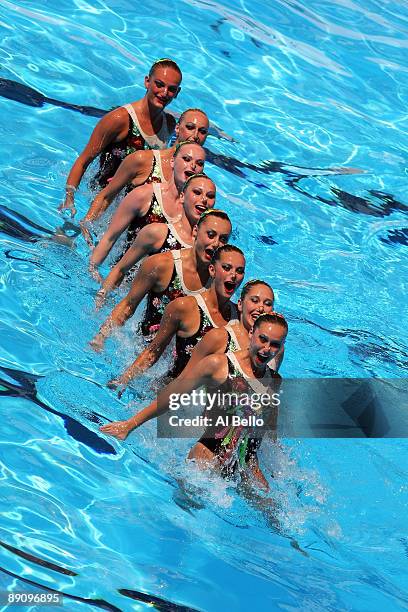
<point x="303" y="89"/>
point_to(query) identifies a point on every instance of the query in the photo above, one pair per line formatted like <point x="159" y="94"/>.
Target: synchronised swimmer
<point x="227" y="354"/>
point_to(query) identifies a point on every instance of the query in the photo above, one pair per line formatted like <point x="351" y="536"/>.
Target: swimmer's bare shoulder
<point x="214" y="367"/>
<point x="116" y="122"/>
<point x="160" y="266"/>
<point x="184" y="306"/>
<point x="138" y="158"/>
<point x="213" y="342"/>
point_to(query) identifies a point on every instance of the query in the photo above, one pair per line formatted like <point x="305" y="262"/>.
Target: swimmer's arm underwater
<point x="130" y="207"/>
<point x="148" y="241"/>
<point x="169" y="326"/>
<point x="144" y="281"/>
<point x="126" y="172"/>
<point x="209" y="372"/>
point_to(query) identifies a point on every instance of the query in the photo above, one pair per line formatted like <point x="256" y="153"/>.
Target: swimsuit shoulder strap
<point x="203" y="306"/>
<point x="234" y="315"/>
<point x="155" y="140"/>
<point x="255" y="384"/>
<point x="159" y="197"/>
<point x="234" y="361"/>
<point x="164" y="133"/>
<point x="230" y="330"/>
<point x="157" y="169"/>
<point x="175" y="233"/>
<point x="178" y="264"/>
<point x="133" y="115"/>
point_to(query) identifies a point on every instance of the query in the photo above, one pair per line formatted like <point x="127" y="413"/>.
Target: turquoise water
<point x="303" y="89"/>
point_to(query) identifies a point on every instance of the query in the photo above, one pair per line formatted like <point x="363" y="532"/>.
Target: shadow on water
<point x="12" y="90"/>
<point x="379" y="204"/>
<point x="18" y="92"/>
<point x="26" y="389"/>
<point x="24" y="94"/>
<point x="18" y="226"/>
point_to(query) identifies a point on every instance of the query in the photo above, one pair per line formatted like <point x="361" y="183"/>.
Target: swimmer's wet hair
<point x="191" y="110"/>
<point x="271" y="317"/>
<point x="193" y="176"/>
<point x="166" y="63"/>
<point x="253" y="283"/>
<point x="214" y="212"/>
<point x="226" y="248"/>
<point x="181" y="144"/>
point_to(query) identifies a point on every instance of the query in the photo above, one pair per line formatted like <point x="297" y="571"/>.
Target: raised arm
<point x="211" y="371"/>
<point x="107" y="130"/>
<point x="170" y="324"/>
<point x="144" y="281"/>
<point x="125" y="174"/>
<point x="131" y="206"/>
<point x="148" y="241"/>
<point x="214" y="342"/>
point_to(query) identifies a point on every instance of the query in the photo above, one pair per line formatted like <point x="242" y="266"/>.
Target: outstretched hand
<point x="94" y="272"/>
<point x="116" y="384"/>
<point x="97" y="343"/>
<point x="117" y="429"/>
<point x="68" y="205"/>
<point x="100" y="299"/>
<point x="86" y="233"/>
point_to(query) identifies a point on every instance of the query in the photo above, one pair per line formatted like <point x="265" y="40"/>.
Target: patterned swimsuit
<point x="155" y="175"/>
<point x="157" y="302"/>
<point x="235" y="445"/>
<point x="185" y="346"/>
<point x="155" y="214"/>
<point x="173" y="241"/>
<point x="232" y="342"/>
<point x="136" y="140"/>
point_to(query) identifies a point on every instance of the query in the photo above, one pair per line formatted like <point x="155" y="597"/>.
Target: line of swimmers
<point x="191" y="271"/>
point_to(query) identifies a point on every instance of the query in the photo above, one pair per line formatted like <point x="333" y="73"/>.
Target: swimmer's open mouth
<point x="229" y="287"/>
<point x="255" y="315"/>
<point x="263" y="358"/>
<point x="209" y="254"/>
<point x="189" y="173"/>
<point x="200" y="208"/>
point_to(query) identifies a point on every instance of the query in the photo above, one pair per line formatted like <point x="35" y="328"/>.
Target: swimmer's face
<point x="212" y="233"/>
<point x="163" y="86"/>
<point x="193" y="127"/>
<point x="227" y="273"/>
<point x="258" y="300"/>
<point x="265" y="342"/>
<point x="190" y="159"/>
<point x="198" y="197"/>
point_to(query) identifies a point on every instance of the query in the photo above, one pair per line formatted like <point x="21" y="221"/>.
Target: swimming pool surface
<point x="305" y="90"/>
